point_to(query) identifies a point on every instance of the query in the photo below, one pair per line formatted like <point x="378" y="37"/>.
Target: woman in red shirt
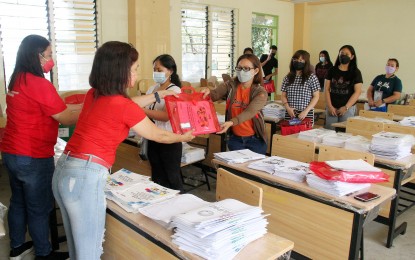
<point x="106" y="117"/>
<point x="34" y="111"/>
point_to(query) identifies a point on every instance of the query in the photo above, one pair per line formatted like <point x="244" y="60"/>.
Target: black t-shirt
<point x="271" y="64"/>
<point x="321" y="72"/>
<point x="342" y="85"/>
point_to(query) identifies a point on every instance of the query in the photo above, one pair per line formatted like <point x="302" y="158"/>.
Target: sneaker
<point x="19" y="252"/>
<point x="54" y="256"/>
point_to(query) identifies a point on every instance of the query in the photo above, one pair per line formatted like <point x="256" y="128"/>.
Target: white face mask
<point x="159" y="77"/>
<point x="244" y="76"/>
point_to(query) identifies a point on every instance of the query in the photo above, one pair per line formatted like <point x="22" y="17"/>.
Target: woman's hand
<point x="378" y="103"/>
<point x="165" y="93"/>
<point x="290" y="111"/>
<point x="342" y="111"/>
<point x="268" y="77"/>
<point x="302" y="115"/>
<point x="332" y="111"/>
<point x="371" y="103"/>
<point x="225" y="126"/>
<point x="205" y="91"/>
<point x="188" y="136"/>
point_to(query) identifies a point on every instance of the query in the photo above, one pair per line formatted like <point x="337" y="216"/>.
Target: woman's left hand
<point x="342" y="111"/>
<point x="302" y="115"/>
<point x="378" y="103"/>
<point x="225" y="126"/>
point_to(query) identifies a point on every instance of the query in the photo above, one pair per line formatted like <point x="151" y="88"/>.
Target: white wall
<point x="377" y="29"/>
<point x="113" y="23"/>
<point x="284" y="10"/>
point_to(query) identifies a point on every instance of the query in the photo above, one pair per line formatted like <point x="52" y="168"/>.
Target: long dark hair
<point x="326" y="54"/>
<point x="111" y="70"/>
<point x="352" y="63"/>
<point x="27" y="59"/>
<point x="258" y="78"/>
<point x="168" y="62"/>
<point x="305" y="72"/>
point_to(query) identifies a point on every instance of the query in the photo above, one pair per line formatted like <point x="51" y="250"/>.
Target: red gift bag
<point x="269" y="86"/>
<point x="191" y="111"/>
<point x="287" y="129"/>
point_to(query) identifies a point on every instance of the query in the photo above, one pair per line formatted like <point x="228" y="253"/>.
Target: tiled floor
<point x="375" y="233"/>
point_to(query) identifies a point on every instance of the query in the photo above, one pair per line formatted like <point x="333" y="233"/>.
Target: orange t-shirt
<point x="240" y="103"/>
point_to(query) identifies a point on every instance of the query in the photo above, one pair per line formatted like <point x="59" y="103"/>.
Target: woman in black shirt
<point x="322" y="67"/>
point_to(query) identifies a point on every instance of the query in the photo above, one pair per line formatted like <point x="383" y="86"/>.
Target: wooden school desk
<point x="397" y="170"/>
<point x="321" y="226"/>
<point x="134" y="236"/>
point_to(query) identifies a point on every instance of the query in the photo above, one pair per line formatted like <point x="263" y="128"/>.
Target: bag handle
<point x="192" y="90"/>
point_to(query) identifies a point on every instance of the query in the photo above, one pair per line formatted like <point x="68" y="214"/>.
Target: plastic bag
<point x="292" y="126"/>
<point x="323" y="170"/>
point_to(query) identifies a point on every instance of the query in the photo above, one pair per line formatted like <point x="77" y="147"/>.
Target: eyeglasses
<point x="246" y="69"/>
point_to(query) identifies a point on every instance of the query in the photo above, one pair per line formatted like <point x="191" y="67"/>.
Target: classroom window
<point x="264" y="32"/>
<point x="208" y="41"/>
<point x="69" y="25"/>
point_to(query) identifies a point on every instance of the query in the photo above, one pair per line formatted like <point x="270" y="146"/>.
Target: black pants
<point x="165" y="162"/>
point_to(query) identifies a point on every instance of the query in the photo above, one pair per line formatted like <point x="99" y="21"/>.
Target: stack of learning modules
<point x="390" y="145"/>
<point x="192" y="154"/>
<point x="315" y="135"/>
<point x="219" y="230"/>
<point x="282" y="167"/>
<point x="274" y="111"/>
<point x="408" y="121"/>
<point x="336" y="139"/>
<point x="131" y="191"/>
<point x="357" y="143"/>
<point x="238" y="156"/>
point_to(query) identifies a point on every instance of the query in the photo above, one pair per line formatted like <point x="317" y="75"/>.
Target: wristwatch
<point x="157" y="97"/>
<point x="346" y="108"/>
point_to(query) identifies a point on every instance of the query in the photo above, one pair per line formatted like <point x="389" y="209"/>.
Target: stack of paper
<point x="132" y="191"/>
<point x="337" y="139"/>
<point x="336" y="188"/>
<point x="315" y="135"/>
<point x="238" y="156"/>
<point x="408" y="121"/>
<point x="192" y="154"/>
<point x="221" y="118"/>
<point x="219" y="230"/>
<point x="282" y="167"/>
<point x="376" y="119"/>
<point x="274" y="111"/>
<point x="163" y="212"/>
<point x="357" y="143"/>
<point x="391" y="145"/>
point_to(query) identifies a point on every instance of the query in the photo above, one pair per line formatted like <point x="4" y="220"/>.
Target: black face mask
<point x="298" y="65"/>
<point x="344" y="59"/>
<point x="272" y="54"/>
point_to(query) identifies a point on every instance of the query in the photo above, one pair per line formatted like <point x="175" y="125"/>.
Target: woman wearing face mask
<point x="34" y="111"/>
<point x="385" y="88"/>
<point x="323" y="67"/>
<point x="245" y="98"/>
<point x="164" y="159"/>
<point x="343" y="86"/>
<point x="300" y="88"/>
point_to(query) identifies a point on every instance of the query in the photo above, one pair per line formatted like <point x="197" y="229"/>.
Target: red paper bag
<point x="192" y="111"/>
<point x="269" y="86"/>
<point x="324" y="171"/>
<point x="287" y="129"/>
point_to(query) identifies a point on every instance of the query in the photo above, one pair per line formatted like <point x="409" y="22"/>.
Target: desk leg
<point x="393" y="214"/>
<point x="356" y="245"/>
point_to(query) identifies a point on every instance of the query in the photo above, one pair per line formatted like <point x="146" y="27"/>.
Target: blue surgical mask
<point x="159" y="77"/>
<point x="322" y="59"/>
<point x="244" y="76"/>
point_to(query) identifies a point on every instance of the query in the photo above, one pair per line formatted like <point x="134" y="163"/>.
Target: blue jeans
<point x="31" y="201"/>
<point x="78" y="186"/>
<point x="252" y="143"/>
<point x="336" y="119"/>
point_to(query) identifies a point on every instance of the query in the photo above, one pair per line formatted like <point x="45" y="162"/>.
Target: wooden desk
<point x="134" y="236"/>
<point x="397" y="170"/>
<point x="342" y="125"/>
<point x="322" y="226"/>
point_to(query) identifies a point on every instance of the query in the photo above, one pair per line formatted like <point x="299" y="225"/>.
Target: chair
<point x="402" y="110"/>
<point x="186" y="84"/>
<point x="144" y="85"/>
<point x="293" y="148"/>
<point x="400" y="129"/>
<point x="412" y="102"/>
<point x="364" y="128"/>
<point x="374" y="114"/>
<point x="73" y="97"/>
<point x="329" y="153"/>
<point x="231" y="186"/>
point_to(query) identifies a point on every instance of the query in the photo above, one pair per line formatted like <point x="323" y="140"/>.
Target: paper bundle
<point x="357" y="143"/>
<point x="336" y="139"/>
<point x="219" y="230"/>
<point x="315" y="135"/>
<point x="192" y="154"/>
<point x="238" y="156"/>
<point x="274" y="111"/>
<point x="391" y="145"/>
<point x="335" y="188"/>
<point x="408" y="121"/>
<point x="282" y="167"/>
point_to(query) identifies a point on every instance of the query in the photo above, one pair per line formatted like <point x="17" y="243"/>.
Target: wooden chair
<point x="374" y="114"/>
<point x="363" y="127"/>
<point x="402" y="110"/>
<point x="412" y="102"/>
<point x="400" y="129"/>
<point x="144" y="85"/>
<point x="67" y="94"/>
<point x="186" y="84"/>
<point x="230" y="186"/>
<point x="329" y="153"/>
<point x="293" y="148"/>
